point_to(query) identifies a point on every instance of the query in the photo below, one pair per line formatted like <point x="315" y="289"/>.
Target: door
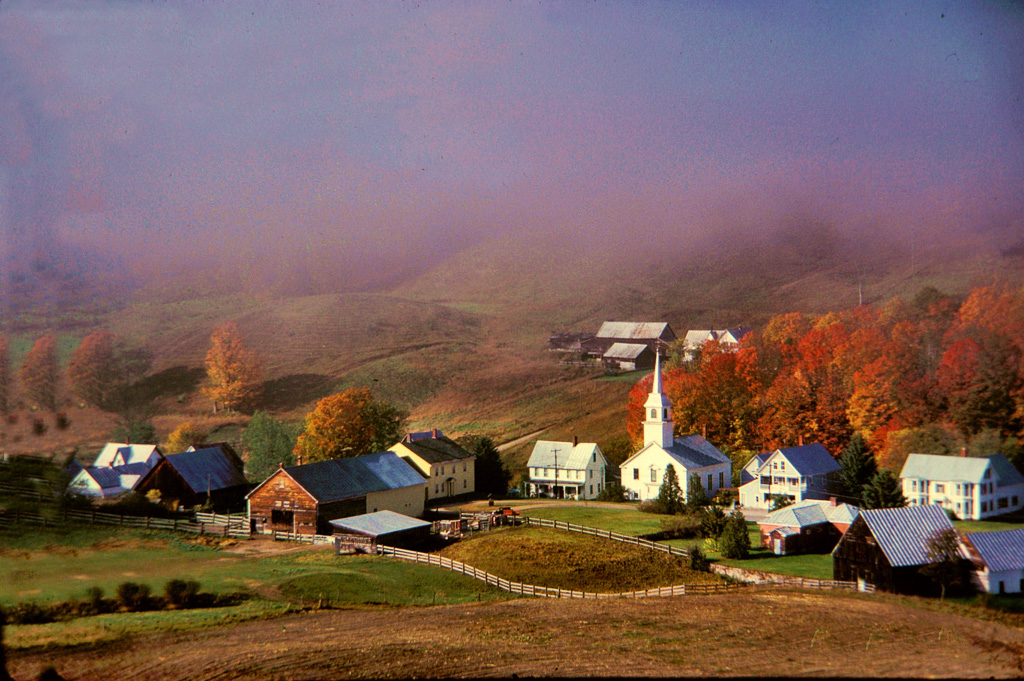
<point x="778" y="546"/>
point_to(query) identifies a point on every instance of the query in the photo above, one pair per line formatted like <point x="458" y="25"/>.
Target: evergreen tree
<point x="858" y="467"/>
<point x="267" y="443"/>
<point x="696" y="498"/>
<point x="884" y="491"/>
<point x="670" y="496"/>
<point x="491" y="474"/>
<point x="712" y="523"/>
<point x="735" y="540"/>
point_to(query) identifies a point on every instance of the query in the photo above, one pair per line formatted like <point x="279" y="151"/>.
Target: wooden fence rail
<point x="608" y="534"/>
<point x="120" y="520"/>
<point x="543" y="591"/>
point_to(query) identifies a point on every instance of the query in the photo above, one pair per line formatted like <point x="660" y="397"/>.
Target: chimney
<point x="800" y="441"/>
<point x="280" y="464"/>
<point x="963" y="452"/>
<point x="704" y="431"/>
<point x="433" y="433"/>
<point x="832" y="501"/>
<point x="575" y="440"/>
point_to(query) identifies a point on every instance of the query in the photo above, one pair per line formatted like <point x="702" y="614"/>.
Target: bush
<point x="712" y="523"/>
<point x="63" y="421"/>
<point x="735" y="541"/>
<point x="133" y="596"/>
<point x="181" y="593"/>
<point x="698" y="561"/>
<point x="613" y="491"/>
<point x="38" y="427"/>
<point x="653" y="506"/>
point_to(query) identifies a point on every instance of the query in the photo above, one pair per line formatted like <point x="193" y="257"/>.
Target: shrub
<point x="29" y="613"/>
<point x="97" y="604"/>
<point x="680" y="527"/>
<point x="133" y="596"/>
<point x="735" y="542"/>
<point x="698" y="561"/>
<point x="181" y="593"/>
<point x="712" y="523"/>
<point x="38" y="427"/>
<point x="613" y="491"/>
<point x="653" y="506"/>
<point x="63" y="421"/>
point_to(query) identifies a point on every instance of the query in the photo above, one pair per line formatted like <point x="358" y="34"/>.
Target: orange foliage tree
<point x="38" y="373"/>
<point x="350" y="423"/>
<point x="92" y="373"/>
<point x="233" y="371"/>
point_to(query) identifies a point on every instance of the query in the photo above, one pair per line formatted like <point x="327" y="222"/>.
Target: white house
<point x="804" y="472"/>
<point x="119" y="454"/>
<point x="998" y="558"/>
<point x="728" y="339"/>
<point x="448" y="468"/>
<point x="118" y="469"/>
<point x="972" y="487"/>
<point x="569" y="470"/>
<point x="643" y="473"/>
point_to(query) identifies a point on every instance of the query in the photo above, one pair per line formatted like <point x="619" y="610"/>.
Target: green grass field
<point x="624" y="519"/>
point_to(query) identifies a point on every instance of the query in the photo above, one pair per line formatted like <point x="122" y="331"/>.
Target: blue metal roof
<point x="379" y="523"/>
<point x="810" y="459"/>
<point x="903" y="533"/>
<point x="206" y="469"/>
<point x="693" y="451"/>
<point x="358" y="476"/>
<point x="1001" y="551"/>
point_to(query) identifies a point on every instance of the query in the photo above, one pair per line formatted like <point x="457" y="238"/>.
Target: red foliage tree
<point x="38" y="373"/>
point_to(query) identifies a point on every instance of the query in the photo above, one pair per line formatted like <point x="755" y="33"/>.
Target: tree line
<point x="930" y="375"/>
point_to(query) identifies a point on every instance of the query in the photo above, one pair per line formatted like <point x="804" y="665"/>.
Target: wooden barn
<point x="197" y="477"/>
<point x="362" y="533"/>
<point x="655" y="335"/>
<point x="628" y="357"/>
<point x="887" y="547"/>
<point x="305" y="499"/>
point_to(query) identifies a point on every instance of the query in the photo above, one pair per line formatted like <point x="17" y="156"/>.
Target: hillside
<point x="462" y="344"/>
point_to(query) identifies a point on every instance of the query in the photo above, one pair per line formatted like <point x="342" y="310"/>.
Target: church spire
<point x="658" y="423"/>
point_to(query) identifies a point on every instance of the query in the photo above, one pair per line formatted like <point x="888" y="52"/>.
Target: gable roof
<point x="961" y="468"/>
<point x="625" y="350"/>
<point x="737" y="333"/>
<point x="811" y="512"/>
<point x="690" y="451"/>
<point x="568" y="456"/>
<point x="698" y="336"/>
<point x="1002" y="550"/>
<point x="379" y="523"/>
<point x="436" y="449"/>
<point x="903" y="533"/>
<point x="635" y="330"/>
<point x="205" y="469"/>
<point x="811" y="459"/>
<point x="337" y="479"/>
<point x="422" y="435"/>
<point x="128" y="453"/>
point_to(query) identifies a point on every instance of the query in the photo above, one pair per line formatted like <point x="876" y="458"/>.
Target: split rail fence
<point x="145" y="522"/>
<point x="543" y="591"/>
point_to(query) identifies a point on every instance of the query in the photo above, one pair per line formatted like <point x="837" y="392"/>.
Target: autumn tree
<point x="266" y="444"/>
<point x="5" y="375"/>
<point x="92" y="370"/>
<point x="184" y="436"/>
<point x="351" y="423"/>
<point x="233" y="371"/>
<point x="38" y="373"/>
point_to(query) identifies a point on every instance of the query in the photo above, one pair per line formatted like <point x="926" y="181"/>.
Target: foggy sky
<point x="357" y="139"/>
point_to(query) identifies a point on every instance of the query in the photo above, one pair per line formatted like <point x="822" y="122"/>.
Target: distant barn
<point x="655" y="335"/>
<point x="196" y="477"/>
<point x="628" y="357"/>
<point x="568" y="341"/>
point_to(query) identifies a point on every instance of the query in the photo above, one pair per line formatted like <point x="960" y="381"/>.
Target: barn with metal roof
<point x="999" y="559"/>
<point x="887" y="547"/>
<point x="198" y="476"/>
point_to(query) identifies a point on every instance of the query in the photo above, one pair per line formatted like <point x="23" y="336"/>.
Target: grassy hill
<point x="462" y="344"/>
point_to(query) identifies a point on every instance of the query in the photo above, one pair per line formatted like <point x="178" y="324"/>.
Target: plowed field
<point x="750" y="633"/>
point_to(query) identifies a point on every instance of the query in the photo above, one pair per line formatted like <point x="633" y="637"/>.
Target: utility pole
<point x="554" y="487"/>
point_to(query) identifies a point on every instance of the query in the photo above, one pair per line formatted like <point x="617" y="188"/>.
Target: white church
<point x="643" y="473"/>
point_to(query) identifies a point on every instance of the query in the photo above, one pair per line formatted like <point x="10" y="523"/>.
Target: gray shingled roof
<point x="625" y="351"/>
<point x="206" y="469"/>
<point x="1002" y="550"/>
<point x="903" y="533"/>
<point x="961" y="468"/>
<point x="635" y="330"/>
<point x="568" y="456"/>
<point x="379" y="523"/>
<point x="337" y="479"/>
<point x="693" y="451"/>
<point x="811" y="512"/>
<point x="437" y="449"/>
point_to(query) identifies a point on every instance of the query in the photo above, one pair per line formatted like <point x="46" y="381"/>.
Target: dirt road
<point x="749" y="634"/>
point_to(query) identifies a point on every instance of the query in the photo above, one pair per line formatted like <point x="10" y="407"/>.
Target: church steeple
<point x="658" y="423"/>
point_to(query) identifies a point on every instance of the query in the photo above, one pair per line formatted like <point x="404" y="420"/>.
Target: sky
<point x="354" y="141"/>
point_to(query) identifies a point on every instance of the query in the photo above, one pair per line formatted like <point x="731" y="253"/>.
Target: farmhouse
<point x="566" y="470"/>
<point x="363" y="532"/>
<point x="643" y="473"/>
<point x="119" y="454"/>
<point x="728" y="340"/>
<point x="887" y="547"/>
<point x="198" y="476"/>
<point x="798" y="473"/>
<point x="807" y="526"/>
<point x="972" y="487"/>
<point x="104" y="482"/>
<point x="998" y="559"/>
<point x="655" y="335"/>
<point x="628" y="357"/>
<point x="304" y="499"/>
<point x="448" y="468"/>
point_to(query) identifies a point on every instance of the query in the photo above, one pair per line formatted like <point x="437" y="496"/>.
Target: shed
<point x="628" y="357"/>
<point x="998" y="558"/>
<point x="362" y="533"/>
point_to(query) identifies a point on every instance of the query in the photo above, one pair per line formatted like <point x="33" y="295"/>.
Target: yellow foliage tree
<point x="347" y="424"/>
<point x="233" y="371"/>
<point x="183" y="437"/>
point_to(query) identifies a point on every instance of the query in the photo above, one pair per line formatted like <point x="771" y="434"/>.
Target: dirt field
<point x="752" y="633"/>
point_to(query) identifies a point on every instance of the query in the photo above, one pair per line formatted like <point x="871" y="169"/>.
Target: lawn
<point x="568" y="560"/>
<point x="986" y="525"/>
<point x="626" y="519"/>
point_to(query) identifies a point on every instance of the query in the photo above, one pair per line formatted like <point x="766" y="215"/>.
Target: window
<point x="783" y="465"/>
<point x="654" y="413"/>
<point x="591" y="490"/>
<point x="709" y="482"/>
<point x="721" y="479"/>
<point x="775" y="465"/>
<point x="766" y="480"/>
<point x="464" y="464"/>
<point x="777" y="480"/>
<point x="636" y="473"/>
<point x="436" y="488"/>
<point x="913" y="485"/>
<point x="666" y="414"/>
<point x="594" y="458"/>
<point x="464" y="484"/>
<point x="1003" y="502"/>
<point x="792" y="481"/>
<point x="591" y="474"/>
<point x="940" y="489"/>
<point x="654" y="475"/>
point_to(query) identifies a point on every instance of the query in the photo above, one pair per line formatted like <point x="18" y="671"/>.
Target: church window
<point x="666" y="413"/>
<point x="654" y="413"/>
<point x="654" y="475"/>
<point x="636" y="473"/>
